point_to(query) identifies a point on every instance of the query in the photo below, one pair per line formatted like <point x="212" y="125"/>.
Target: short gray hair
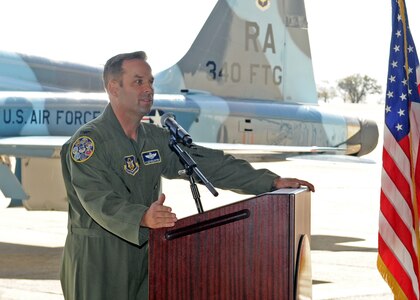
<point x="113" y="67"/>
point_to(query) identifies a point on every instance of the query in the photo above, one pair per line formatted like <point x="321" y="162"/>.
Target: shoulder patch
<point x="82" y="149"/>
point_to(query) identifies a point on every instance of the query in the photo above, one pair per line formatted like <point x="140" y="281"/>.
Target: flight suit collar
<point x="110" y="115"/>
<point x="111" y="118"/>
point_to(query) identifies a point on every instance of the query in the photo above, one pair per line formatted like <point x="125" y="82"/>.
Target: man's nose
<point x="149" y="87"/>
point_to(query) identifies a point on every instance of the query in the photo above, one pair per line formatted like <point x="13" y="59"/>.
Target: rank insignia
<point x="82" y="149"/>
<point x="131" y="165"/>
<point x="151" y="157"/>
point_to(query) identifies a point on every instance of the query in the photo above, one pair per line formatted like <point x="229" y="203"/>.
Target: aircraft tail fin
<point x="248" y="49"/>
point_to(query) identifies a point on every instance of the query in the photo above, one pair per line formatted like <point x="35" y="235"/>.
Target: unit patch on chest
<point x="151" y="157"/>
<point x="131" y="165"/>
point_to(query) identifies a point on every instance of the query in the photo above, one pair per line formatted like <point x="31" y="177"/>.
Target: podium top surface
<point x="289" y="191"/>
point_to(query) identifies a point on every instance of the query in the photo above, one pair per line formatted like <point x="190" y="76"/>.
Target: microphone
<point x="177" y="131"/>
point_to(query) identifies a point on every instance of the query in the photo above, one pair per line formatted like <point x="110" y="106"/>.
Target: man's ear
<point x="113" y="87"/>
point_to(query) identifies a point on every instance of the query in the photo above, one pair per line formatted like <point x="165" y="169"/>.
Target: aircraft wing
<point x="32" y="146"/>
<point x="50" y="146"/>
<point x="254" y="153"/>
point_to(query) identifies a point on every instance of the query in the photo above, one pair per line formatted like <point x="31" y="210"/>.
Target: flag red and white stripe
<point x="398" y="238"/>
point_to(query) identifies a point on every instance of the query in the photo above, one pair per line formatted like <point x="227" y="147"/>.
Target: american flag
<point x="398" y="238"/>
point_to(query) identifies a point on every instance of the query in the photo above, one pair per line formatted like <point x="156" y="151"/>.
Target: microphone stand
<point x="191" y="168"/>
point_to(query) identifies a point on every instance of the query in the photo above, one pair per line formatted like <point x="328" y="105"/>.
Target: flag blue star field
<point x="398" y="237"/>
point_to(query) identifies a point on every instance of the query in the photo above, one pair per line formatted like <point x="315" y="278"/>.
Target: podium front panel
<point x="244" y="250"/>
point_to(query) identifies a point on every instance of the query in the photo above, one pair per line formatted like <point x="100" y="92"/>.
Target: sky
<point x="353" y="36"/>
<point x="346" y="36"/>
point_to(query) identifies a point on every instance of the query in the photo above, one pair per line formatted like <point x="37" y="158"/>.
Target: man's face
<point x="136" y="87"/>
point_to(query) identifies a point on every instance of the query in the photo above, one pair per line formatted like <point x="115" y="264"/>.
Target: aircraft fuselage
<point x="207" y="118"/>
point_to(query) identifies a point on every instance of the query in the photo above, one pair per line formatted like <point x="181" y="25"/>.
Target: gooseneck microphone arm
<point x="190" y="168"/>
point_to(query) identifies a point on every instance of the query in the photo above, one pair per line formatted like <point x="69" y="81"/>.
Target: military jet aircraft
<point x="246" y="85"/>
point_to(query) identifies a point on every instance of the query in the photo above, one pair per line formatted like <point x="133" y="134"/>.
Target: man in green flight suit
<point x="112" y="169"/>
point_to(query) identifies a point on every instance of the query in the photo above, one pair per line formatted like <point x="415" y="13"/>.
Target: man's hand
<point x="280" y="183"/>
<point x="158" y="215"/>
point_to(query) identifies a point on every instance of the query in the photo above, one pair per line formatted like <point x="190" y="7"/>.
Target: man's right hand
<point x="158" y="215"/>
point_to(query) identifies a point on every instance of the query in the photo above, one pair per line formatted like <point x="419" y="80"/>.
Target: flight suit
<point x="111" y="180"/>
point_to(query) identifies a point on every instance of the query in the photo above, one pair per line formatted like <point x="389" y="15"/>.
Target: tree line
<point x="353" y="88"/>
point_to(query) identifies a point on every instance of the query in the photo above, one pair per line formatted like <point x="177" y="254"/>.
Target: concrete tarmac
<point x="344" y="229"/>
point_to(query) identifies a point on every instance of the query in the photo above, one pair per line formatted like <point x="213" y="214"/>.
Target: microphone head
<point x="176" y="130"/>
<point x="165" y="117"/>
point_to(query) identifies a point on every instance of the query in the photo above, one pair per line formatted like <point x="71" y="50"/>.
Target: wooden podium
<point x="245" y="250"/>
